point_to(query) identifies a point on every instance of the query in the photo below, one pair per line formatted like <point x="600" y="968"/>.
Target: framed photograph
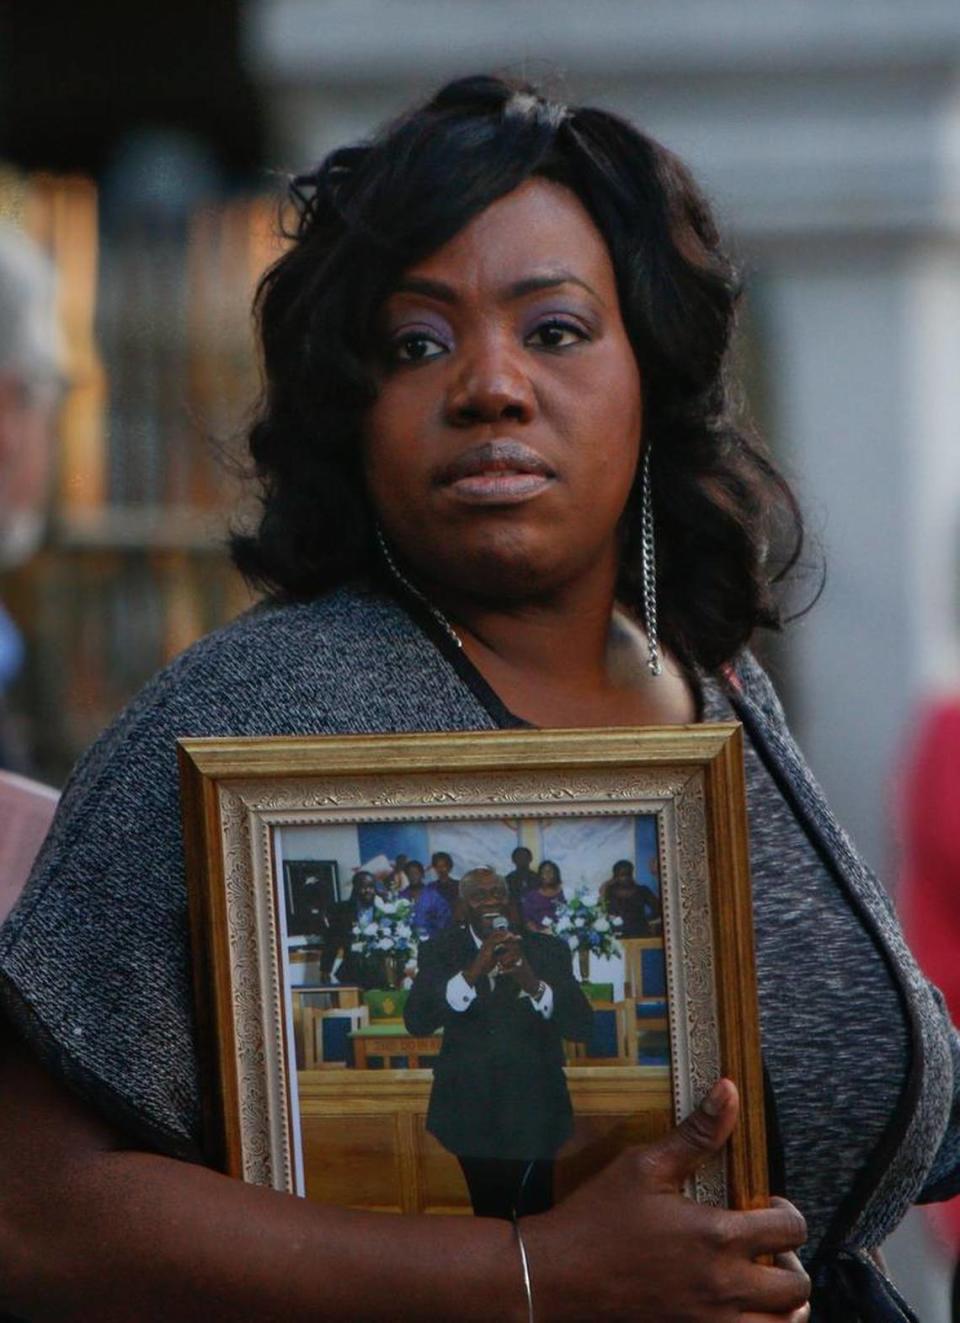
<point x="436" y="972"/>
<point x="311" y="890"/>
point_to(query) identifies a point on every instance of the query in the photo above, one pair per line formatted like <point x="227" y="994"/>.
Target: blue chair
<point x="645" y="973"/>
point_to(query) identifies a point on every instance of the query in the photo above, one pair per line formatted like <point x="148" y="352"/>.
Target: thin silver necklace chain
<point x="414" y="591"/>
<point x="648" y="571"/>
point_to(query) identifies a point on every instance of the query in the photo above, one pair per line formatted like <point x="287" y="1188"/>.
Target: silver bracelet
<point x="528" y="1289"/>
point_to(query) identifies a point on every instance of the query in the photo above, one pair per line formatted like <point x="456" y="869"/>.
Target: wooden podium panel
<point x="354" y="1161"/>
<point x="444" y="1189"/>
<point x="365" y="1142"/>
<point x="598" y="1138"/>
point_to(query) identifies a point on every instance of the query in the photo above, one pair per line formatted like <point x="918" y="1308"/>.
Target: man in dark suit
<point x="505" y="1001"/>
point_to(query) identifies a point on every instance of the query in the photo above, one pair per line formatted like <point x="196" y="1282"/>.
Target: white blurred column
<point x="864" y="341"/>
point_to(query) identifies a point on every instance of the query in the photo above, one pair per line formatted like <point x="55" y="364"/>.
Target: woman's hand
<point x="95" y="1232"/>
<point x="629" y="1246"/>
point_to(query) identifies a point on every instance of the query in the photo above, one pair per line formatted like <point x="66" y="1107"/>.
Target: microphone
<point x="500" y="925"/>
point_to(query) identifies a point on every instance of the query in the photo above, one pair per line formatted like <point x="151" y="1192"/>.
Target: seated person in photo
<point x="443" y="880"/>
<point x="540" y="907"/>
<point x="521" y="878"/>
<point x="637" y="905"/>
<point x="431" y="913"/>
<point x="349" y="966"/>
<point x="505" y="1001"/>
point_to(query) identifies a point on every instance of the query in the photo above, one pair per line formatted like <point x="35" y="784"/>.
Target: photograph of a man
<point x="505" y="1001"/>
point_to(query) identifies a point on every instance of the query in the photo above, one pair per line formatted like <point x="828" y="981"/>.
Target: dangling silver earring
<point x="648" y="566"/>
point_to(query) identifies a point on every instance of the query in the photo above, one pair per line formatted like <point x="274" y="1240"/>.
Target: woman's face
<point x="548" y="877"/>
<point x="502" y="446"/>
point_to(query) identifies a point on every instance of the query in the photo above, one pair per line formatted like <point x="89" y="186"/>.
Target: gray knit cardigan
<point x="94" y="961"/>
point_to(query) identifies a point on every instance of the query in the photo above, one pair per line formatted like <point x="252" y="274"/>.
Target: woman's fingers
<point x="790" y="1260"/>
<point x="778" y="1289"/>
<point x="772" y="1230"/>
<point x="784" y="1290"/>
<point x="776" y="1201"/>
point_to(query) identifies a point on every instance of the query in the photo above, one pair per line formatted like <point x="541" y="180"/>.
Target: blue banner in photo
<point x="393" y="838"/>
<point x="647" y="859"/>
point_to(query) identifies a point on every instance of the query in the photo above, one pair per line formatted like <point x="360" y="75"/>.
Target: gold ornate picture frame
<point x="320" y="1084"/>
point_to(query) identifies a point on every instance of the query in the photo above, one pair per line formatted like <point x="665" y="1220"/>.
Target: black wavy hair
<point x="368" y="212"/>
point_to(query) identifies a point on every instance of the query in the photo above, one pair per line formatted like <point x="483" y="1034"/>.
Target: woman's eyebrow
<point x="517" y="289"/>
<point x="549" y="280"/>
<point x="431" y="289"/>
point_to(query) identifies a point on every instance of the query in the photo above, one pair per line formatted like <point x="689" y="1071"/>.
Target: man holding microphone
<point x="505" y="1001"/>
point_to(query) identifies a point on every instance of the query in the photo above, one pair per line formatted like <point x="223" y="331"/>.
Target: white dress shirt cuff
<point x="460" y="995"/>
<point x="544" y="1003"/>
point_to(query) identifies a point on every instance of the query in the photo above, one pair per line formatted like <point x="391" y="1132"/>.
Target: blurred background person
<point x="540" y="906"/>
<point x="30" y="390"/>
<point x="132" y="149"/>
<point x="431" y="913"/>
<point x="930" y="887"/>
<point x="625" y="898"/>
<point x="350" y="915"/>
<point x="442" y="880"/>
<point x="522" y="877"/>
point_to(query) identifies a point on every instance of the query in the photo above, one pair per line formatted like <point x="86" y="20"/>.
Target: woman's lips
<point x="503" y="472"/>
<point x="499" y="487"/>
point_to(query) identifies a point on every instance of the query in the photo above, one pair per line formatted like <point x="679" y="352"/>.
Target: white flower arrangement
<point x="389" y="933"/>
<point x="585" y="925"/>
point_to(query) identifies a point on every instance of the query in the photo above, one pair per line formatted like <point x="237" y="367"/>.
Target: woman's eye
<point x="417" y="348"/>
<point x="556" y="335"/>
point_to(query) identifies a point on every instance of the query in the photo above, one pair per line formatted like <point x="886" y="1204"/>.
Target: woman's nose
<point x="491" y="385"/>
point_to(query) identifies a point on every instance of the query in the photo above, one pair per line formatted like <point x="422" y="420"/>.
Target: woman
<point x="637" y="907"/>
<point x="431" y="913"/>
<point x="494" y="360"/>
<point x="540" y="905"/>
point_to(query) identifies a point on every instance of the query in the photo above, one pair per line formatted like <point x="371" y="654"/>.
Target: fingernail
<point x="715" y="1101"/>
